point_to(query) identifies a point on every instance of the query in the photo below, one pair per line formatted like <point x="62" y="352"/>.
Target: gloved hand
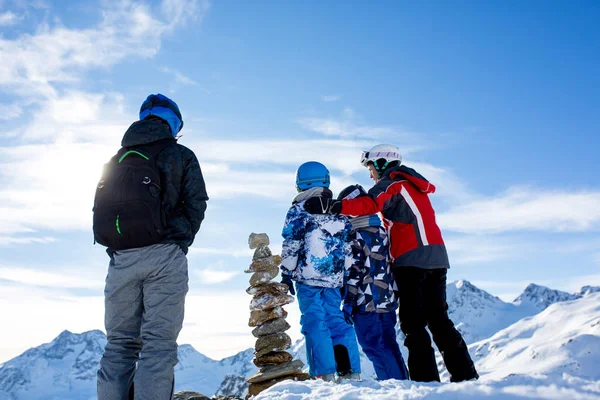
<point x="286" y="280"/>
<point x="322" y="205"/>
<point x="348" y="310"/>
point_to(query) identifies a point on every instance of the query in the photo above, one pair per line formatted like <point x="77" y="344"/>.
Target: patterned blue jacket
<point x="369" y="278"/>
<point x="315" y="247"/>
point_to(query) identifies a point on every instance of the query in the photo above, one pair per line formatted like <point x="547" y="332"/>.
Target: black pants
<point x="422" y="294"/>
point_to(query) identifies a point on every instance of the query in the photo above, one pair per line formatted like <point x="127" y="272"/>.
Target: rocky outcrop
<point x="268" y="317"/>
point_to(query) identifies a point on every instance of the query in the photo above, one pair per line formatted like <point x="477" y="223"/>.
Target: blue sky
<point x="495" y="102"/>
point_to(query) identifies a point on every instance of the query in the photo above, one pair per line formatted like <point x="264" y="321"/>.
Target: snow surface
<point x="554" y="355"/>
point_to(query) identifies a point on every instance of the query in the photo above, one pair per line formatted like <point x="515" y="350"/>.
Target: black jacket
<point x="184" y="193"/>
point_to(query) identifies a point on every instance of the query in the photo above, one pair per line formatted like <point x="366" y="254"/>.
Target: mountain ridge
<point x="68" y="364"/>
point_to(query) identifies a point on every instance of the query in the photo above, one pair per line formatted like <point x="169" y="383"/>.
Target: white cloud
<point x="65" y="278"/>
<point x="341" y="155"/>
<point x="575" y="283"/>
<point x="37" y="316"/>
<point x="180" y="78"/>
<point x="350" y="125"/>
<point x="214" y="274"/>
<point x="210" y="276"/>
<point x="204" y="326"/>
<point x="8" y="18"/>
<point x="526" y="209"/>
<point x="50" y="177"/>
<point x="8" y="240"/>
<point x="34" y="63"/>
<point x="10" y="111"/>
<point x="330" y="99"/>
<point x="344" y="128"/>
<point x="50" y="186"/>
<point x="241" y="252"/>
<point x="478" y="249"/>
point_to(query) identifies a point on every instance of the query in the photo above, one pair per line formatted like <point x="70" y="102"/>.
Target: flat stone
<point x="262" y="251"/>
<point x="260" y="317"/>
<point x="275" y="288"/>
<point x="269" y="301"/>
<point x="275" y="342"/>
<point x="258" y="278"/>
<point x="274" y="357"/>
<point x="276" y="371"/>
<point x="270" y="327"/>
<point x="265" y="264"/>
<point x="256" y="239"/>
<point x="256" y="388"/>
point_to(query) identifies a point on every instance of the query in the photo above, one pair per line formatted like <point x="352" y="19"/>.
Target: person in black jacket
<point x="146" y="286"/>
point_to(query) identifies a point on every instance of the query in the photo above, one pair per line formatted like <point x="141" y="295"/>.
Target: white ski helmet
<point x="387" y="153"/>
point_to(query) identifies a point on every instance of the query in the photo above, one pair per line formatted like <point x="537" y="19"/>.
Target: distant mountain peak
<point x="541" y="297"/>
<point x="464" y="288"/>
<point x="587" y="290"/>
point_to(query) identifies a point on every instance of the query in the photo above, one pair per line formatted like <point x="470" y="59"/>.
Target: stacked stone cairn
<point x="267" y="316"/>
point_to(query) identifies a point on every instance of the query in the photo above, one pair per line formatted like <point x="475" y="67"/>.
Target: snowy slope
<point x="563" y="339"/>
<point x="553" y="355"/>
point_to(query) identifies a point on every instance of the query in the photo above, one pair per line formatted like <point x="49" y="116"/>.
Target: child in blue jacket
<point x="369" y="299"/>
<point x="314" y="251"/>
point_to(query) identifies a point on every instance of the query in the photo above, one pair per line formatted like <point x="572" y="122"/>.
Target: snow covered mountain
<point x="552" y="355"/>
<point x="478" y="315"/>
<point x="63" y="368"/>
<point x="66" y="367"/>
<point x="540" y="297"/>
<point x="564" y="339"/>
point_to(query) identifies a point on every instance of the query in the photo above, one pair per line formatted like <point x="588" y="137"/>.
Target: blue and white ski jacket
<point x="315" y="247"/>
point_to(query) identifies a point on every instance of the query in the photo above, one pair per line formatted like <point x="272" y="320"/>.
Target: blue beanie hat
<point x="164" y="108"/>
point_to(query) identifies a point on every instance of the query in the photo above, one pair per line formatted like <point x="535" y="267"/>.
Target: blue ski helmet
<point x="312" y="174"/>
<point x="164" y="108"/>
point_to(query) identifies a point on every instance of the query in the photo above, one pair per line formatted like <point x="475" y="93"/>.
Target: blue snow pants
<point x="144" y="300"/>
<point x="324" y="326"/>
<point x="376" y="335"/>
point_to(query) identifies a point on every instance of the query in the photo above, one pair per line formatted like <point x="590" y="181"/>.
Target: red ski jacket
<point x="401" y="196"/>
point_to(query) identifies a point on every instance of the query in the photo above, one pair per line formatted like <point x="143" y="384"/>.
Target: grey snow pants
<point x="144" y="305"/>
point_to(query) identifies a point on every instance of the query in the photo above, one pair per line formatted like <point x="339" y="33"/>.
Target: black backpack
<point x="128" y="202"/>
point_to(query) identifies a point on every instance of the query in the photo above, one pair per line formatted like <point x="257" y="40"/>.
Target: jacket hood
<point x="403" y="172"/>
<point x="146" y="131"/>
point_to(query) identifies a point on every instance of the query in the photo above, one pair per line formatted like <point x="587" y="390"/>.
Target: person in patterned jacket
<point x="313" y="254"/>
<point x="369" y="299"/>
